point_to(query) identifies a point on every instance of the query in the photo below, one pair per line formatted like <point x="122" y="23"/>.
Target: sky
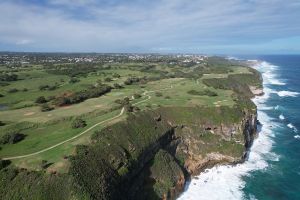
<point x="151" y="26"/>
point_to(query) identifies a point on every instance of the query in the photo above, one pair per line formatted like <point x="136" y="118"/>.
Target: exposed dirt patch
<point x="29" y="113"/>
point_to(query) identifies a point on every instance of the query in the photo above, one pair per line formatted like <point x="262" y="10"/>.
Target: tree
<point x="78" y="123"/>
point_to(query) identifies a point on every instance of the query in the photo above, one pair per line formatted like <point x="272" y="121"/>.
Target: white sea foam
<point x="268" y="74"/>
<point x="297" y="136"/>
<point x="277" y="107"/>
<point x="281" y="117"/>
<point x="225" y="182"/>
<point x="266" y="108"/>
<point x="288" y="94"/>
<point x="291" y="126"/>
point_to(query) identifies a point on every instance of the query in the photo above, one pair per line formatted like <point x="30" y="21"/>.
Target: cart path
<point x="146" y="93"/>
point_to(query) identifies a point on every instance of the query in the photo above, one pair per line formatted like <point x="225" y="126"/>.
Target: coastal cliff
<point x="154" y="153"/>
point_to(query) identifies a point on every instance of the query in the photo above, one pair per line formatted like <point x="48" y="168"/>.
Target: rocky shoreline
<point x="213" y="159"/>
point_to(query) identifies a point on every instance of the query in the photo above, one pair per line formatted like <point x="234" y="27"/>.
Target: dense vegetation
<point x="22" y="184"/>
<point x="202" y="93"/>
<point x="77" y="97"/>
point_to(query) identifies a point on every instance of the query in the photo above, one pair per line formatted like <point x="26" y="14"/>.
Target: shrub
<point x="1" y="95"/>
<point x="131" y="80"/>
<point x="12" y="138"/>
<point x="78" y="123"/>
<point x="53" y="87"/>
<point x="158" y="94"/>
<point x="115" y="75"/>
<point x="117" y="86"/>
<point x="4" y="163"/>
<point x="74" y="80"/>
<point x="45" y="107"/>
<point x="2" y="123"/>
<point x="13" y="90"/>
<point x="137" y="96"/>
<point x="203" y="93"/>
<point x="43" y="87"/>
<point x="45" y="164"/>
<point x="108" y="79"/>
<point x="129" y="108"/>
<point x="9" y="77"/>
<point x="40" y="100"/>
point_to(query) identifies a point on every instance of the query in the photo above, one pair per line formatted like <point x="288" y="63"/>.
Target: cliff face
<point x="201" y="153"/>
<point x="153" y="153"/>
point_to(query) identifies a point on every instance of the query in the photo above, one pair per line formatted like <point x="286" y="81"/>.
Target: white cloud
<point x="143" y="25"/>
<point x="72" y="2"/>
<point x="24" y="42"/>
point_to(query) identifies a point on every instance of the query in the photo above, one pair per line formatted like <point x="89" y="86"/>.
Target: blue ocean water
<point x="281" y="179"/>
<point x="273" y="168"/>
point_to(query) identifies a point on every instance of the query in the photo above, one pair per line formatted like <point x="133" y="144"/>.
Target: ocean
<point x="272" y="170"/>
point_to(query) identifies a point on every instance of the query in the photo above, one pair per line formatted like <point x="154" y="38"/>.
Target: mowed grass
<point x="178" y="95"/>
<point x="31" y="80"/>
<point x="46" y="136"/>
<point x="56" y="156"/>
<point x="34" y="114"/>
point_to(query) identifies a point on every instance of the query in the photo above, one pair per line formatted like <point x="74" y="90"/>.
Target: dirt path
<point x="83" y="132"/>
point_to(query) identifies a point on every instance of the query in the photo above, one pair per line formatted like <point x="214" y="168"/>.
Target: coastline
<point x="204" y="175"/>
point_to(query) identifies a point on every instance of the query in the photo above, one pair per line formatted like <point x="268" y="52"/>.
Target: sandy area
<point x="29" y="113"/>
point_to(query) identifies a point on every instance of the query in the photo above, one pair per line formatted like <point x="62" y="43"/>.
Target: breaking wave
<point x="291" y="126"/>
<point x="281" y="117"/>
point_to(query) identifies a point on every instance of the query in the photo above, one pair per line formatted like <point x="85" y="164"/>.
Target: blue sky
<point x="162" y="26"/>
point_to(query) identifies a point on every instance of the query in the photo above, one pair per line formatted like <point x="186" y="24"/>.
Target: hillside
<point x="121" y="128"/>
